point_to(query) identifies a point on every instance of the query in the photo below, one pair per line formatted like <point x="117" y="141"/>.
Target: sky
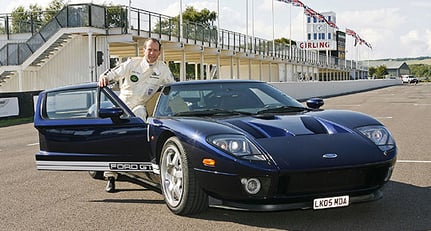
<point x="394" y="28"/>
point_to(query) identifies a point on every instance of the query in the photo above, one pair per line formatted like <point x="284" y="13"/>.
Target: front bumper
<point x="285" y="190"/>
<point x="216" y="203"/>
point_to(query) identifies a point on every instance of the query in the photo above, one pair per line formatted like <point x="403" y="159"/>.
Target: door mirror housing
<point x="315" y="103"/>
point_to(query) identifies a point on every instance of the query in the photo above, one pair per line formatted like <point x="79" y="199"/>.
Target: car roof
<point x="75" y="86"/>
<point x="189" y="82"/>
<point x="218" y="81"/>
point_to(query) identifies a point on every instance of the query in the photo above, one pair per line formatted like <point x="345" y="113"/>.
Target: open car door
<point x="89" y="128"/>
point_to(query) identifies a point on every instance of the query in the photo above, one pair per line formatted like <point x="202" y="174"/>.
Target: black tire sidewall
<point x="185" y="169"/>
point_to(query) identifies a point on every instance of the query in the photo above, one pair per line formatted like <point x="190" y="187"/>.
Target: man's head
<point x="152" y="49"/>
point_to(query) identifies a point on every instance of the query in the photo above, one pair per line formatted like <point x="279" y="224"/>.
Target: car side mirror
<point x="114" y="113"/>
<point x="315" y="103"/>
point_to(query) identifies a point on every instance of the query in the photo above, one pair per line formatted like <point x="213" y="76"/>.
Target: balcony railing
<point x="158" y="26"/>
<point x="82" y="15"/>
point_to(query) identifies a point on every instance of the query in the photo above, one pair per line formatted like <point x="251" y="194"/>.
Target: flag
<point x="297" y="3"/>
<point x="320" y="17"/>
<point x="332" y="24"/>
<point x="285" y="1"/>
<point x="310" y="12"/>
<point x="350" y="32"/>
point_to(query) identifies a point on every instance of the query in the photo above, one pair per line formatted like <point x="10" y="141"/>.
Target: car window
<point x="244" y="97"/>
<point x="75" y="104"/>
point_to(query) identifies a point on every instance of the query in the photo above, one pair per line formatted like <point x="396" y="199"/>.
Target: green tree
<point x="116" y="16"/>
<point x="32" y="19"/>
<point x="51" y="10"/>
<point x="284" y="41"/>
<point x="20" y="19"/>
<point x="36" y="16"/>
<point x="372" y="71"/>
<point x="420" y="70"/>
<point x="381" y="71"/>
<point x="197" y="25"/>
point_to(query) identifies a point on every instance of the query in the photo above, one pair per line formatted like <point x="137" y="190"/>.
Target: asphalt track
<point x="42" y="200"/>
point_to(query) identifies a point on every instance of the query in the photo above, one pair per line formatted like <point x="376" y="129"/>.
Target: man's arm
<point x="113" y="74"/>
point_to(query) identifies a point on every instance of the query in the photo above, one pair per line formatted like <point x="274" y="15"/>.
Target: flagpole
<point x="218" y="22"/>
<point x="290" y="31"/>
<point x="252" y="26"/>
<point x="246" y="26"/>
<point x="130" y="16"/>
<point x="273" y="28"/>
<point x="181" y="20"/>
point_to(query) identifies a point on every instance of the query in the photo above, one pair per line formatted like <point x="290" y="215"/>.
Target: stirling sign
<point x="317" y="45"/>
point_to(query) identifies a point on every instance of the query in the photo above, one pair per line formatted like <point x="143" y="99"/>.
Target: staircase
<point x="49" y="40"/>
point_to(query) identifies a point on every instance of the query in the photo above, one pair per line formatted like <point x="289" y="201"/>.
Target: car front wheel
<point x="182" y="193"/>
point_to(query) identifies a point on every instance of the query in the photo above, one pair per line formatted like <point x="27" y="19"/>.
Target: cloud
<point x="416" y="42"/>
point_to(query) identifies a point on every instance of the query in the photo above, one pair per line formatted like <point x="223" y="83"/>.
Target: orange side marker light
<point x="209" y="162"/>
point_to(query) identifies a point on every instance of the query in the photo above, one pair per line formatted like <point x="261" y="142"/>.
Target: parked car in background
<point x="228" y="144"/>
<point x="409" y="79"/>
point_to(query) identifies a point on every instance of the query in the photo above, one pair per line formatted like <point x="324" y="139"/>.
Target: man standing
<point x="139" y="78"/>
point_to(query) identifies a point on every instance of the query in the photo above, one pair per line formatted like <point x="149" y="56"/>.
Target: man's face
<point x="151" y="52"/>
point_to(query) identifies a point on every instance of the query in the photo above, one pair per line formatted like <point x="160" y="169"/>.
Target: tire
<point x="98" y="175"/>
<point x="182" y="194"/>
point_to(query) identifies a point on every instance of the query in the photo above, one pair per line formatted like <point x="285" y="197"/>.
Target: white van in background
<point x="409" y="79"/>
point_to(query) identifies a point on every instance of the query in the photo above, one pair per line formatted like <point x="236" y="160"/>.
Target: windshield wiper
<point x="211" y="112"/>
<point x="282" y="109"/>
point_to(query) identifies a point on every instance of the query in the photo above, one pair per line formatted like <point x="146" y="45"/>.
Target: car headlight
<point x="379" y="135"/>
<point x="237" y="145"/>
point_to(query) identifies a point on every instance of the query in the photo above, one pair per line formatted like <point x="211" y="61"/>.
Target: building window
<point x="315" y="36"/>
<point x="329" y="36"/>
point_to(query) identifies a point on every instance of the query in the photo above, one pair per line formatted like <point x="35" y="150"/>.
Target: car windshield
<point x="224" y="98"/>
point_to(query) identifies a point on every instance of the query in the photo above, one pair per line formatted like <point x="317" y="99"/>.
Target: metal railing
<point x="158" y="26"/>
<point x="82" y="15"/>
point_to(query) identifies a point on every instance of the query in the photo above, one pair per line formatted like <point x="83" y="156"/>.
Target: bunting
<point x="297" y="3"/>
<point x="358" y="39"/>
<point x="312" y="13"/>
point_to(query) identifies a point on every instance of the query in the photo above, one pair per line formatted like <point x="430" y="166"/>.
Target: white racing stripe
<point x="414" y="161"/>
<point x="95" y="166"/>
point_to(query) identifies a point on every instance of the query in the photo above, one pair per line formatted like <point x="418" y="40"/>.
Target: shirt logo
<point x="134" y="78"/>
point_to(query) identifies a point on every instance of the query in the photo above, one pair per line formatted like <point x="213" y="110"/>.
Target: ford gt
<point x="235" y="144"/>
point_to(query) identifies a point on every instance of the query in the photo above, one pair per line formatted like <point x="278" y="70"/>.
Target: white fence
<point x="305" y="90"/>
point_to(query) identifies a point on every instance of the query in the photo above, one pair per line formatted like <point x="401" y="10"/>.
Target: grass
<point x="5" y="122"/>
<point x="423" y="61"/>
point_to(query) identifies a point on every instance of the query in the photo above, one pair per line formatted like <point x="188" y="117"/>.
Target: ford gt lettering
<point x="130" y="167"/>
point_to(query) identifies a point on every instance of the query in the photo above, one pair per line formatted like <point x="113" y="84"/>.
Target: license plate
<point x="330" y="202"/>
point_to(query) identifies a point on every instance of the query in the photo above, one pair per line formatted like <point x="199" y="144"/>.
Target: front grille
<point x="332" y="181"/>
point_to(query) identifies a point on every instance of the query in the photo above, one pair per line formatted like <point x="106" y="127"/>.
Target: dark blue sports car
<point x="230" y="144"/>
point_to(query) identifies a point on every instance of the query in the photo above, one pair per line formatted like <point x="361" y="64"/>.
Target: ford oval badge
<point x="330" y="155"/>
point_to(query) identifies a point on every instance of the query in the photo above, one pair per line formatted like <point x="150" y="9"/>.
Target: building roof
<point x="389" y="64"/>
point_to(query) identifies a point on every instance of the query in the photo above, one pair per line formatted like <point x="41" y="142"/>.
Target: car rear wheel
<point x="98" y="175"/>
<point x="182" y="193"/>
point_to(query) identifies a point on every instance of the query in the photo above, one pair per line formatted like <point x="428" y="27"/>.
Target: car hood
<point x="296" y="141"/>
<point x="313" y="123"/>
<point x="312" y="140"/>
